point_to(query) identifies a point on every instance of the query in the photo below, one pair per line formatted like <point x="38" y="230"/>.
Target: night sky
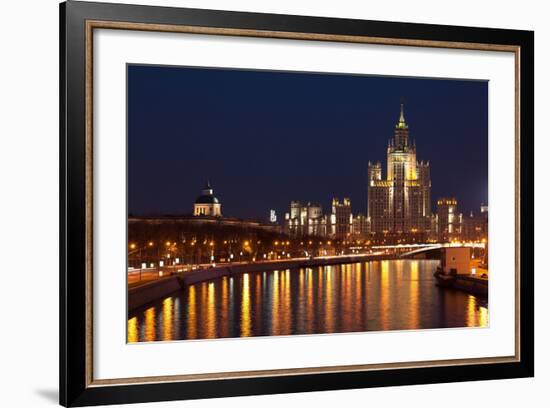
<point x="265" y="138"/>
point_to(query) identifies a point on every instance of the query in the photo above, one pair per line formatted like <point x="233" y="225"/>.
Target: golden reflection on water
<point x="414" y="297"/>
<point x="476" y="316"/>
<point x="483" y="316"/>
<point x="224" y="321"/>
<point x="399" y="268"/>
<point x="355" y="297"/>
<point x="300" y="301"/>
<point x="177" y="318"/>
<point x="245" y="307"/>
<point x="357" y="300"/>
<point x="210" y="311"/>
<point x="319" y="311"/>
<point x="286" y="311"/>
<point x="258" y="296"/>
<point x="309" y="300"/>
<point x="167" y="318"/>
<point x="384" y="294"/>
<point x="192" y="313"/>
<point x="345" y="285"/>
<point x="301" y="291"/>
<point x="471" y="312"/>
<point x="275" y="304"/>
<point x="365" y="297"/>
<point x="133" y="330"/>
<point x="150" y="324"/>
<point x="329" y="321"/>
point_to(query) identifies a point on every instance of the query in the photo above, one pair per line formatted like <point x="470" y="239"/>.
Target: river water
<point x="377" y="295"/>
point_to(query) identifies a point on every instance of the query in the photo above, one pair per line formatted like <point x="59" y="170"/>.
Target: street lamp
<point x="134" y="247"/>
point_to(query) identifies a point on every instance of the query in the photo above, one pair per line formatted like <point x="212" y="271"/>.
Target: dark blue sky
<point x="265" y="138"/>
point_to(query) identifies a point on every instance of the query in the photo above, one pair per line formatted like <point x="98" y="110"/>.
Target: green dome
<point x="207" y="195"/>
<point x="206" y="199"/>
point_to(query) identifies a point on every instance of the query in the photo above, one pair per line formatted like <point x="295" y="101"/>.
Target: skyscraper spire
<point x="402" y="124"/>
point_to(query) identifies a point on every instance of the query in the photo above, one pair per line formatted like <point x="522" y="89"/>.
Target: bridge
<point x="407" y="250"/>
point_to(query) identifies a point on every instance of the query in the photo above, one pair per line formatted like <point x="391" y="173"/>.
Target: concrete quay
<point x="140" y="295"/>
<point x="151" y="290"/>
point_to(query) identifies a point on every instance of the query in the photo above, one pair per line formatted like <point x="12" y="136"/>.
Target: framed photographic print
<point x="255" y="203"/>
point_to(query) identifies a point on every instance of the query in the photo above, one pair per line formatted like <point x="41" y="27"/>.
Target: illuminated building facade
<point x="399" y="204"/>
<point x="308" y="219"/>
<point x="449" y="221"/>
<point x="207" y="205"/>
<point x="305" y="219"/>
<point x="361" y="226"/>
<point x="341" y="219"/>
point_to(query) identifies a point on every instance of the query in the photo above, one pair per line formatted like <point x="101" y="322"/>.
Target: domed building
<point x="207" y="204"/>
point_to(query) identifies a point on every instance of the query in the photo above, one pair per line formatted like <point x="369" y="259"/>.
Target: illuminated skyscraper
<point x="399" y="205"/>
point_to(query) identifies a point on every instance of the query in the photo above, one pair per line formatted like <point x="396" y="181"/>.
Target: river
<point x="367" y="296"/>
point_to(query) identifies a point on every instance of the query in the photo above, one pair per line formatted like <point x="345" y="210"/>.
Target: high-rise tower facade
<point x="341" y="218"/>
<point x="399" y="205"/>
